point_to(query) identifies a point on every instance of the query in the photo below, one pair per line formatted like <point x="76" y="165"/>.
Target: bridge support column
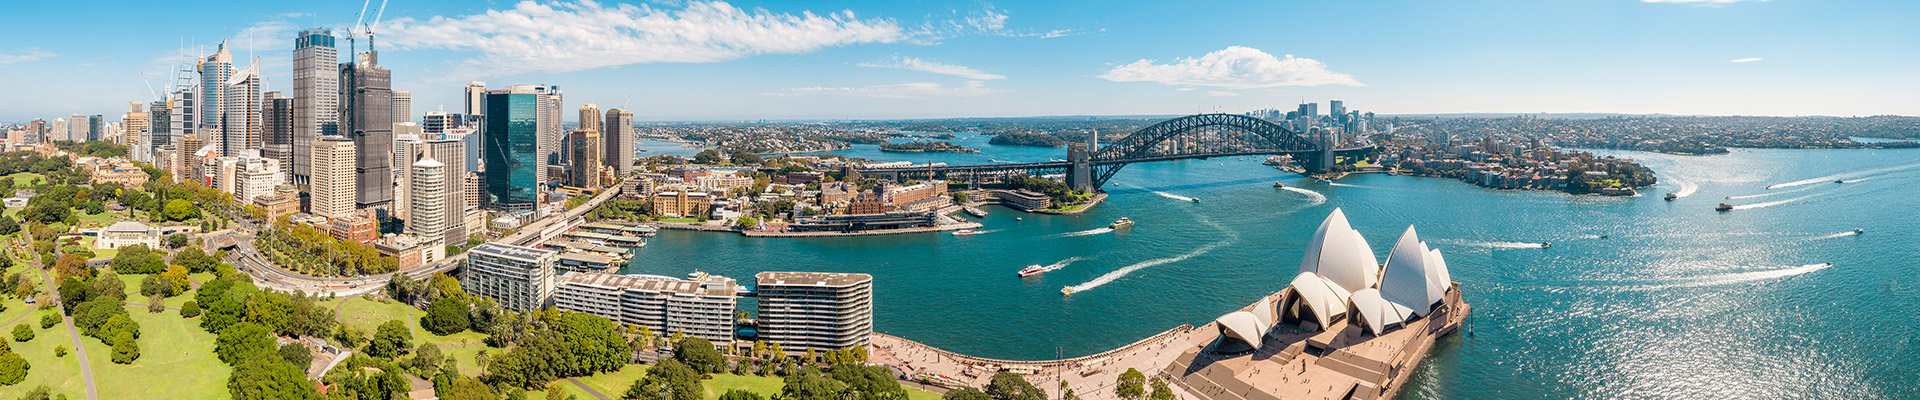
<point x="1079" y="167"/>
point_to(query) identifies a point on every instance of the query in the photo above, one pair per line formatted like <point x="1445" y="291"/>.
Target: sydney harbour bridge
<point x="1190" y="137"/>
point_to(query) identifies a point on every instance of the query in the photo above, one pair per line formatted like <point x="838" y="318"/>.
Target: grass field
<point x="176" y="361"/>
<point x="62" y="374"/>
<point x="613" y="384"/>
<point x="367" y="315"/>
<point x="31" y="179"/>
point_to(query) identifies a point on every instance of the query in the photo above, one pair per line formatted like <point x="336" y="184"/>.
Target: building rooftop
<point x="128" y="226"/>
<point x="712" y="286"/>
<point x="810" y="278"/>
<point x="510" y="251"/>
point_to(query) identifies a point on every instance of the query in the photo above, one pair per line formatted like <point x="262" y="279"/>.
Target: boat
<point x="1277" y="185"/>
<point x="1032" y="270"/>
<point x="975" y="212"/>
<point x="1546" y="245"/>
<point x="1858" y="231"/>
<point x="1671" y="196"/>
<point x="1603" y="236"/>
<point x="1123" y="223"/>
<point x="1322" y="181"/>
<point x="1839" y="181"/>
<point x="965" y="232"/>
<point x="1194" y="199"/>
<point x="1019" y="219"/>
<point x="1067" y="290"/>
<point x="1723" y="207"/>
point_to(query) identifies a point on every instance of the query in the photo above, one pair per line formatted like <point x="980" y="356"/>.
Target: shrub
<point x="22" y="333"/>
<point x="49" y="320"/>
<point x="190" y="310"/>
<point x="60" y="351"/>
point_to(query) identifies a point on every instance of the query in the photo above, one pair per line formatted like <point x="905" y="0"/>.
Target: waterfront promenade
<point x="1091" y="377"/>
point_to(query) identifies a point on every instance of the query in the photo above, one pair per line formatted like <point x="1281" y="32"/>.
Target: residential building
<point x="815" y="310"/>
<point x="515" y="277"/>
<point x="702" y="307"/>
<point x="242" y="111"/>
<point x="451" y="153"/>
<point x="276" y="135"/>
<point x="77" y="127"/>
<point x="332" y="193"/>
<point x="253" y="176"/>
<point x="429" y="217"/>
<point x="316" y="96"/>
<point x="476" y="98"/>
<point x="617" y="141"/>
<point x="134" y="123"/>
<point x="513" y="148"/>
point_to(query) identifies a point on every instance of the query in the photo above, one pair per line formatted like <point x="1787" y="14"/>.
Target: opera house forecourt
<point x="1346" y="327"/>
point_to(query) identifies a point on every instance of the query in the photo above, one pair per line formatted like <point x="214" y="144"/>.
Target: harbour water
<point x="1676" y="301"/>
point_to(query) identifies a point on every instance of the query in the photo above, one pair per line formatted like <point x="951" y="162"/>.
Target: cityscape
<point x="729" y="201"/>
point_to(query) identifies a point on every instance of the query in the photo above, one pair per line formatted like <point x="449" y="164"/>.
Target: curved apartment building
<point x="815" y="310"/>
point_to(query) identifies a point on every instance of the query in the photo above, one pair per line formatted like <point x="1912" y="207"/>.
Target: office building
<point x="551" y="131"/>
<point x="133" y="124"/>
<point x="469" y="139"/>
<point x="159" y="129"/>
<point x="402" y="106"/>
<point x="276" y="134"/>
<point x="618" y="141"/>
<point x="242" y="124"/>
<point x="702" y="307"/>
<point x="355" y="227"/>
<point x="815" y="310"/>
<point x="316" y="96"/>
<point x="681" y="202"/>
<point x="515" y="277"/>
<point x="254" y="177"/>
<point x="586" y="158"/>
<point x="184" y="113"/>
<point x="214" y="71"/>
<point x="476" y="98"/>
<point x="427" y="187"/>
<point x="436" y="123"/>
<point x="512" y="148"/>
<point x="367" y="110"/>
<point x="77" y="128"/>
<point x="96" y="127"/>
<point x="332" y="189"/>
<point x="451" y="154"/>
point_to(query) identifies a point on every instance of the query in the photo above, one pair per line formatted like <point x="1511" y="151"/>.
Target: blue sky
<point x="700" y="60"/>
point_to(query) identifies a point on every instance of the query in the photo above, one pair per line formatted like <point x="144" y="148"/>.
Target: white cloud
<point x="566" y="37"/>
<point x="1235" y="67"/>
<point x="1746" y="60"/>
<point x="916" y="64"/>
<point x="1220" y="93"/>
<point x="27" y="55"/>
<point x="911" y="90"/>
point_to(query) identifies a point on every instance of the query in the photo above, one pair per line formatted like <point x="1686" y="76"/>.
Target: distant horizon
<point x="1549" y="115"/>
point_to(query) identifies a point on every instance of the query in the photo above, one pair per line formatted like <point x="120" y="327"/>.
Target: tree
<point x="446" y="316"/>
<point x="708" y="156"/>
<point x="156" y="304"/>
<point x="190" y="309"/>
<point x="176" y="240"/>
<point x="72" y="266"/>
<point x="966" y="393"/>
<point x="390" y="339"/>
<point x="737" y="394"/>
<point x="138" y="259"/>
<point x="176" y="276"/>
<point x="181" y="210"/>
<point x="426" y="357"/>
<point x="1160" y="390"/>
<point x="874" y="382"/>
<point x="13" y="368"/>
<point x="699" y="354"/>
<point x="125" y="348"/>
<point x="22" y="333"/>
<point x="811" y="386"/>
<point x="194" y="259"/>
<point x="264" y="378"/>
<point x="464" y="388"/>
<point x="1011" y="386"/>
<point x="1131" y="385"/>
<point x="670" y="380"/>
<point x="8" y="226"/>
<point x="747" y="222"/>
<point x="295" y="354"/>
<point x="243" y="341"/>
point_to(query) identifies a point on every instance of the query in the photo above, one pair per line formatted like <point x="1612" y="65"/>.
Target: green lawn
<point x="176" y="361"/>
<point x="15" y="309"/>
<point x="62" y="374"/>
<point x="33" y="179"/>
<point x="133" y="289"/>
<point x="367" y="315"/>
<point x="465" y="357"/>
<point x="615" y="383"/>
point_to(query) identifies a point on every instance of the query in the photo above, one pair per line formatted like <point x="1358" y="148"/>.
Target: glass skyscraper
<point x="512" y="148"/>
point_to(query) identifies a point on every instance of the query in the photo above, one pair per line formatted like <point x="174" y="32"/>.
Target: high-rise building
<point x="469" y="139"/>
<point x="36" y="131"/>
<point x="214" y="71"/>
<point x="551" y="132"/>
<point x="316" y="96"/>
<point x="242" y="125"/>
<point x="159" y="129"/>
<point x="436" y="123"/>
<point x="586" y="158"/>
<point x="702" y="307"/>
<point x="134" y="122"/>
<point x="77" y="128"/>
<point x="427" y="188"/>
<point x="185" y="114"/>
<point x="590" y="117"/>
<point x="367" y="110"/>
<point x="512" y="148"/>
<point x="452" y="155"/>
<point x="617" y="137"/>
<point x="1338" y="110"/>
<point x="402" y="106"/>
<point x="187" y="168"/>
<point x="517" y="278"/>
<point x="96" y="127"/>
<point x="814" y="310"/>
<point x="332" y="193"/>
<point x="476" y="98"/>
<point x="253" y="177"/>
<point x="276" y="134"/>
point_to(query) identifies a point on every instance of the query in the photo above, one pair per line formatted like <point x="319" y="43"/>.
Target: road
<point x="86" y="369"/>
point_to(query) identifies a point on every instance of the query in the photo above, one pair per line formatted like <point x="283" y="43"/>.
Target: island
<point x="1027" y="139"/>
<point x="926" y="147"/>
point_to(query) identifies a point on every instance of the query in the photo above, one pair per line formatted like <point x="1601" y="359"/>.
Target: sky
<point x="692" y="60"/>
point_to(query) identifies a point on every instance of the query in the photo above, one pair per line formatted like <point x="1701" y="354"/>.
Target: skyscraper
<point x="590" y="117"/>
<point x="617" y="139"/>
<point x="1338" y="110"/>
<point x="586" y="158"/>
<point x="242" y="118"/>
<point x="134" y="122"/>
<point x="550" y="126"/>
<point x="450" y="153"/>
<point x="512" y="147"/>
<point x="333" y="172"/>
<point x="435" y="123"/>
<point x="276" y="135"/>
<point x="402" y="106"/>
<point x="214" y="71"/>
<point x="316" y="96"/>
<point x="96" y="127"/>
<point x="476" y="98"/>
<point x="367" y="107"/>
<point x="77" y="128"/>
<point x="159" y="128"/>
<point x="428" y="217"/>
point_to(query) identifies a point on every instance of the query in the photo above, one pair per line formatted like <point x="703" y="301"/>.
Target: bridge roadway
<point x="1062" y="165"/>
<point x="248" y="259"/>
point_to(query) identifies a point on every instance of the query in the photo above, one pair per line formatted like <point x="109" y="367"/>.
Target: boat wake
<point x="1122" y="272"/>
<point x="1094" y="231"/>
<point x="1841" y="177"/>
<point x="1838" y="235"/>
<point x="1736" y="277"/>
<point x="1313" y="198"/>
<point x="1687" y="188"/>
<point x="1350" y="185"/>
<point x="1503" y="245"/>
<point x="1771" y="193"/>
<point x="1173" y="196"/>
<point x="1770" y="203"/>
<point x="1061" y="264"/>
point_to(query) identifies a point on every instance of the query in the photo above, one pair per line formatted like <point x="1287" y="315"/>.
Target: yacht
<point x="1671" y="196"/>
<point x="1067" y="290"/>
<point x="1277" y="185"/>
<point x="965" y="232"/>
<point x="1723" y="207"/>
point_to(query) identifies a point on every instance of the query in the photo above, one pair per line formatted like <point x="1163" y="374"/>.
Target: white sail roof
<point x="1408" y="280"/>
<point x="1378" y="312"/>
<point x="1324" y="297"/>
<point x="1341" y="255"/>
<point x="1437" y="271"/>
<point x="1244" y="326"/>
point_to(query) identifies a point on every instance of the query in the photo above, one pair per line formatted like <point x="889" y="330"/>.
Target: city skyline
<point x="834" y="60"/>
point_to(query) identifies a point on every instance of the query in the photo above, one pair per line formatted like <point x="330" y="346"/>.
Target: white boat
<point x="965" y="232"/>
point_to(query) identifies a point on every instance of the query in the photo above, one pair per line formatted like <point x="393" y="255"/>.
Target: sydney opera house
<point x="1346" y="326"/>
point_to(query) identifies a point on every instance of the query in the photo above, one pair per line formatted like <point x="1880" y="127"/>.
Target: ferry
<point x="1671" y="196"/>
<point x="1123" y="223"/>
<point x="1322" y="181"/>
<point x="1277" y="185"/>
<point x="975" y="212"/>
<point x="1723" y="207"/>
<point x="1067" y="290"/>
<point x="965" y="232"/>
<point x="1032" y="270"/>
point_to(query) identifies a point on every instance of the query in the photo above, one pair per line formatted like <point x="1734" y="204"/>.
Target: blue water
<point x="1678" y="301"/>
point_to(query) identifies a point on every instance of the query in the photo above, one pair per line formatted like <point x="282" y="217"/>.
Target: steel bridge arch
<point x="1141" y="142"/>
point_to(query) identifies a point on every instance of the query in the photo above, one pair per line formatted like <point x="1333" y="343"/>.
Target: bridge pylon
<point x="1079" y="168"/>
